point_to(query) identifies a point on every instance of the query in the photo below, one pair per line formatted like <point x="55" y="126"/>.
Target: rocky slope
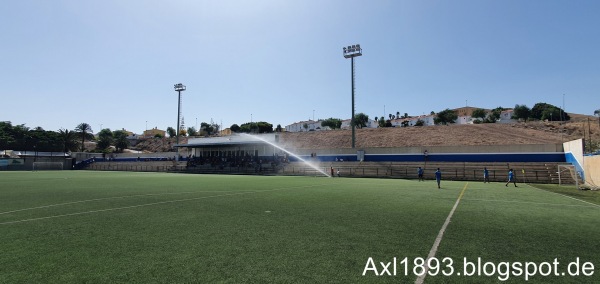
<point x="452" y="135"/>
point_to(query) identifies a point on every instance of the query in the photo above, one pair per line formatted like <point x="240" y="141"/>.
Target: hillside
<point x="154" y="145"/>
<point x="452" y="135"/>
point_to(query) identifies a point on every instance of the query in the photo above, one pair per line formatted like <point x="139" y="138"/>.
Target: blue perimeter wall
<point x="447" y="157"/>
<point x="570" y="158"/>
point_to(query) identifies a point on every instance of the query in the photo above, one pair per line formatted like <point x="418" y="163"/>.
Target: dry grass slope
<point x="452" y="135"/>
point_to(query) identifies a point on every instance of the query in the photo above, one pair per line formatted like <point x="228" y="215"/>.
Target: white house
<point x="309" y="125"/>
<point x="506" y="117"/>
<point x="464" y="119"/>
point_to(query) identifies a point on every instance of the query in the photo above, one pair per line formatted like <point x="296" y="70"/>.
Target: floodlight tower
<point x="178" y="88"/>
<point x="351" y="52"/>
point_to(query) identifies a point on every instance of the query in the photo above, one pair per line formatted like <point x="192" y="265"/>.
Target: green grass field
<point x="100" y="227"/>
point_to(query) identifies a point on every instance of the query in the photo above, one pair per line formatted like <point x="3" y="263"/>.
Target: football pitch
<point x="101" y="227"/>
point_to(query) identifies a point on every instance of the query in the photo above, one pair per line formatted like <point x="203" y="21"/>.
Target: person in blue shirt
<point x="486" y="175"/>
<point x="511" y="178"/>
<point x="420" y="172"/>
<point x="438" y="177"/>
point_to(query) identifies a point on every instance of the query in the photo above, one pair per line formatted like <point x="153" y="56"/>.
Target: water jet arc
<point x="290" y="153"/>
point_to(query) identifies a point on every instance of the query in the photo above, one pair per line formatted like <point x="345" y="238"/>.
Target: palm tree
<point x="84" y="130"/>
<point x="69" y="140"/>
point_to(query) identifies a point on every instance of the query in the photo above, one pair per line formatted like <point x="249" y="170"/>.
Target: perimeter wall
<point x="592" y="170"/>
<point x="487" y="153"/>
<point x="532" y="148"/>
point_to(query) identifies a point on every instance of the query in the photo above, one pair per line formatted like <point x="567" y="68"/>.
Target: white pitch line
<point x="531" y="202"/>
<point x="150" y="204"/>
<point x="439" y="237"/>
<point x="107" y="198"/>
<point x="594" y="204"/>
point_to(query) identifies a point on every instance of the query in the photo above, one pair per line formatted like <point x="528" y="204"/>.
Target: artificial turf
<point x="98" y="227"/>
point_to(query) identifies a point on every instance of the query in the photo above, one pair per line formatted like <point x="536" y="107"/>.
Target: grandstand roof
<point x="233" y="140"/>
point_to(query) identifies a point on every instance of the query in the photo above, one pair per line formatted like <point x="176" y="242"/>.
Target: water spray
<point x="290" y="153"/>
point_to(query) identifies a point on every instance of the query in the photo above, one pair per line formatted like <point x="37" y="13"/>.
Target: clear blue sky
<point x="113" y="63"/>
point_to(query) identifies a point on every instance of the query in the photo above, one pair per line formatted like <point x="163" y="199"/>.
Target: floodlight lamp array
<point x="352" y="51"/>
<point x="179" y="87"/>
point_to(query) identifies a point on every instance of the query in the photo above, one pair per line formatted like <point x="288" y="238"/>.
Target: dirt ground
<point x="451" y="135"/>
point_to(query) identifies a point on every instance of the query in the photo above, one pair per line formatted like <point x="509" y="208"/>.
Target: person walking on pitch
<point x="511" y="178"/>
<point x="486" y="175"/>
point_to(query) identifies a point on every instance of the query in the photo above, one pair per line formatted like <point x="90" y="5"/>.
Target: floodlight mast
<point x="350" y="52"/>
<point x="178" y="88"/>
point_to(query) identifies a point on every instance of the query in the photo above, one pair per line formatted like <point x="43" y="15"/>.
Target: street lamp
<point x="350" y="52"/>
<point x="178" y="88"/>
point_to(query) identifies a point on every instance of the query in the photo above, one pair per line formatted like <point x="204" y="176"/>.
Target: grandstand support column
<point x="178" y="88"/>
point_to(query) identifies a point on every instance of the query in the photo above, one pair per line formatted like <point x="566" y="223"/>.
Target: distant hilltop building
<point x="464" y="117"/>
<point x="309" y="125"/>
<point x="226" y="132"/>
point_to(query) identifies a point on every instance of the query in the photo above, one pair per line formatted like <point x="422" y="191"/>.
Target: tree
<point x="208" y="129"/>
<point x="597" y="112"/>
<point x="361" y="120"/>
<point x="333" y="123"/>
<point x="550" y="114"/>
<point x="192" y="131"/>
<point x="278" y="128"/>
<point x="446" y="116"/>
<point x="235" y="128"/>
<point x="20" y="137"/>
<point x="539" y="109"/>
<point x="171" y="131"/>
<point x="405" y="115"/>
<point x="256" y="127"/>
<point x="397" y="114"/>
<point x="305" y="126"/>
<point x="479" y="113"/>
<point x="521" y="112"/>
<point x="381" y="122"/>
<point x="419" y="123"/>
<point x="216" y="127"/>
<point x="264" y="127"/>
<point x="69" y="139"/>
<point x="84" y="131"/>
<point x="494" y="115"/>
<point x="121" y="142"/>
<point x="105" y="139"/>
